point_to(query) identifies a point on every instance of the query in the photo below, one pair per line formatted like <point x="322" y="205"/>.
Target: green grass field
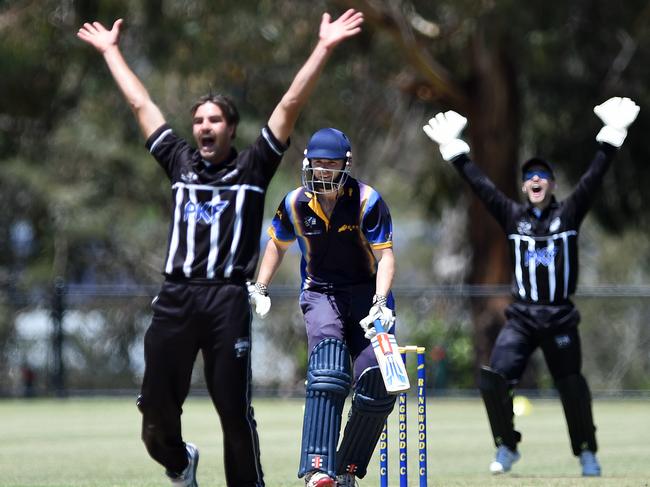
<point x="96" y="443"/>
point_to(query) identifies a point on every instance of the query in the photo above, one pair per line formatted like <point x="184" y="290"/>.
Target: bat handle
<point x="378" y="327"/>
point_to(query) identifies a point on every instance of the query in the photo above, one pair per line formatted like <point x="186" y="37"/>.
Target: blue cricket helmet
<point x="328" y="143"/>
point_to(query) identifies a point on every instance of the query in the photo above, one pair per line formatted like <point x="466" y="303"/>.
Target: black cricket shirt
<point x="217" y="209"/>
<point x="543" y="248"/>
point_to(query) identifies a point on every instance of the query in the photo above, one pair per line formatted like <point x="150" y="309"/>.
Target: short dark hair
<point x="224" y="102"/>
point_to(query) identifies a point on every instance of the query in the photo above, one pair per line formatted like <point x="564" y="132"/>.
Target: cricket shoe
<point x="187" y="478"/>
<point x="504" y="459"/>
<point x="316" y="478"/>
<point x="590" y="465"/>
<point x="346" y="480"/>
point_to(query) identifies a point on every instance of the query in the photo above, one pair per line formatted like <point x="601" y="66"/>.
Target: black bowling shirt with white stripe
<point x="217" y="209"/>
<point x="544" y="247"/>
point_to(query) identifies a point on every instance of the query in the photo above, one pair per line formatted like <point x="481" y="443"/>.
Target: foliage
<point x="73" y="169"/>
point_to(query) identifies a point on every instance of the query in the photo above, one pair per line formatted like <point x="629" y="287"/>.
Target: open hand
<point x="99" y="37"/>
<point x="347" y="25"/>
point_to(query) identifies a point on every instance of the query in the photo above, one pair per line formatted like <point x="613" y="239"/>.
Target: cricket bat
<point x="390" y="360"/>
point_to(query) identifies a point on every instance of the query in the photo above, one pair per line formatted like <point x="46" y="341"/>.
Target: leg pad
<point x="371" y="405"/>
<point x="497" y="396"/>
<point x="329" y="376"/>
<point x="576" y="401"/>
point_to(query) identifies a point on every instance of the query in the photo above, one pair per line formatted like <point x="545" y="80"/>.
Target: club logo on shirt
<point x="206" y="212"/>
<point x="540" y="256"/>
<point x="555" y="224"/>
<point x="309" y="222"/>
<point x="524" y="227"/>
<point x="189" y="177"/>
<point x="311" y="226"/>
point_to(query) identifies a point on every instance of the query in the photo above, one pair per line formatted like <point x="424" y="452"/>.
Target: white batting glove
<point x="378" y="311"/>
<point x="445" y="129"/>
<point x="258" y="295"/>
<point x="617" y="114"/>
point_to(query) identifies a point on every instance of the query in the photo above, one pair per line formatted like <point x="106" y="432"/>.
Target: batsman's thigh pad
<point x="497" y="397"/>
<point x="371" y="405"/>
<point x="576" y="401"/>
<point x="329" y="376"/>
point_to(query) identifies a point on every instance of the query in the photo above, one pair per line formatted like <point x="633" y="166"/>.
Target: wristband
<point x="261" y="288"/>
<point x="380" y="300"/>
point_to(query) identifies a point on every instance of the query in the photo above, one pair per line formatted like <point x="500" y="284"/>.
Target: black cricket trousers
<point x="519" y="338"/>
<point x="215" y="319"/>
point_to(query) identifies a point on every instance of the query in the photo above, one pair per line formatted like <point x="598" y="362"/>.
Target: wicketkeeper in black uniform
<point x="543" y="235"/>
<point x="218" y="202"/>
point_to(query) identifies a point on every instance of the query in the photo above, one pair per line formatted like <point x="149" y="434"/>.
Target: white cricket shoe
<point x="504" y="459"/>
<point x="346" y="480"/>
<point x="590" y="465"/>
<point x="187" y="478"/>
<point x="316" y="478"/>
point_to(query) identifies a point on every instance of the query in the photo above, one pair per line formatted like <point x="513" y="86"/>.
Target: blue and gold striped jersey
<point x="337" y="250"/>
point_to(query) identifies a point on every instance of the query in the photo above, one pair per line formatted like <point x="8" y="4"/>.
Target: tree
<point x="526" y="78"/>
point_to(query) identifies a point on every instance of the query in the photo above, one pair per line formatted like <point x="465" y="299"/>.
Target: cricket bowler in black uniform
<point x="543" y="238"/>
<point x="217" y="208"/>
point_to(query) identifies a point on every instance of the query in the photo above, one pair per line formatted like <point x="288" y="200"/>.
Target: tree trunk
<point x="494" y="134"/>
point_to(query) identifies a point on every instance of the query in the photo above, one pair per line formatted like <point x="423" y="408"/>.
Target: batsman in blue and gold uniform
<point x="344" y="231"/>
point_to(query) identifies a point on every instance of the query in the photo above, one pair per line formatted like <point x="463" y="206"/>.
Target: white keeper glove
<point x="445" y="129"/>
<point x="258" y="295"/>
<point x="379" y="311"/>
<point x="617" y="114"/>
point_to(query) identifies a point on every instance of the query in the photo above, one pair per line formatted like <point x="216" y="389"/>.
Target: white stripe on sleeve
<point x="159" y="139"/>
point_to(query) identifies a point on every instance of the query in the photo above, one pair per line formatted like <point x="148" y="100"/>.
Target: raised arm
<point x="106" y="42"/>
<point x="331" y="34"/>
<point x="445" y="129"/>
<point x="617" y="114"/>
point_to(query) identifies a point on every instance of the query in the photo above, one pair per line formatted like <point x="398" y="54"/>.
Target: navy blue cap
<point x="537" y="161"/>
